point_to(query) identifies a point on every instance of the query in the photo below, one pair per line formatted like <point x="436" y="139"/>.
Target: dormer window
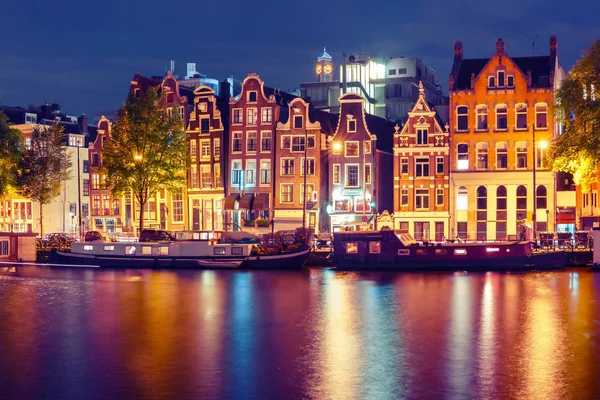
<point x="500" y="78"/>
<point x="252" y="96"/>
<point x="492" y="82"/>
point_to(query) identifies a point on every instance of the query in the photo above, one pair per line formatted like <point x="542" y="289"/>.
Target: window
<point x="194" y="176"/>
<point x="540" y="156"/>
<point x="86" y="187"/>
<point x="27" y="143"/>
<point x="422" y="136"/>
<point x="462" y="118"/>
<point x="267" y="114"/>
<point x="439" y="165"/>
<point x="510" y="81"/>
<point x="367" y="147"/>
<point x="392" y="72"/>
<point x="439" y="197"/>
<point x="251" y="142"/>
<point x="287" y="166"/>
<point x="481" y="200"/>
<point x="401" y="71"/>
<point x="217" y="144"/>
<point x="521" y="199"/>
<point x="500" y="78"/>
<point x="236" y="172"/>
<point x="351" y="125"/>
<point x="238" y="117"/>
<point x="95" y="181"/>
<point x="482" y="155"/>
<point x="205" y="125"/>
<point x="491" y="82"/>
<point x="250" y="172"/>
<point x="251" y="116"/>
<point x="336" y="174"/>
<point x="367" y="173"/>
<point x="177" y="206"/>
<point x="462" y="199"/>
<point x="205" y="176"/>
<point x="297" y="121"/>
<point x="193" y="150"/>
<point x="501" y="117"/>
<point x="422" y="166"/>
<point x="501" y="203"/>
<point x="310" y="141"/>
<point x="265" y="141"/>
<point x="265" y="172"/>
<point x="217" y="168"/>
<point x="298" y="143"/>
<point x="205" y="148"/>
<point x="521" y="154"/>
<point x="286" y="142"/>
<point x="541" y="197"/>
<point x="404" y="197"/>
<point x="463" y="157"/>
<point x="287" y="192"/>
<point x="352" y="175"/>
<point x="422" y="199"/>
<point x="482" y="118"/>
<point x="252" y="96"/>
<point x="95" y="159"/>
<point x="541" y="116"/>
<point x="306" y="195"/>
<point x="237" y="142"/>
<point x="501" y="155"/>
<point x="310" y="166"/>
<point x="351" y="149"/>
<point x="351" y="247"/>
<point x="404" y="166"/>
<point x="86" y="166"/>
<point x="521" y="116"/>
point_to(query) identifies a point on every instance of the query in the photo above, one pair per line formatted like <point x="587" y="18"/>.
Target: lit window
<point x="251" y="116"/>
<point x="205" y="148"/>
<point x="351" y="247"/>
<point x="482" y="118"/>
<point x="482" y="155"/>
<point x="267" y="114"/>
<point x="287" y="192"/>
<point x="351" y="149"/>
<point x="463" y="156"/>
<point x="462" y="199"/>
<point x="310" y="166"/>
<point x="501" y="117"/>
<point x="250" y="172"/>
<point x="265" y="172"/>
<point x="336" y="174"/>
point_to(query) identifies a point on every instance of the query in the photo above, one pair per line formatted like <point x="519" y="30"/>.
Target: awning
<point x="230" y="201"/>
<point x="352" y="192"/>
<point x="246" y="201"/>
<point x="565" y="215"/>
<point x="261" y="202"/>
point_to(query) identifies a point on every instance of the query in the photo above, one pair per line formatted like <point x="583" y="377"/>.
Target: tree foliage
<point x="147" y="149"/>
<point x="10" y="153"/>
<point x="44" y="166"/>
<point x="577" y="106"/>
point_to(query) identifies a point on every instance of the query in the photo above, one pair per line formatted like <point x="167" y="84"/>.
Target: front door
<point x="196" y="218"/>
<point x="163" y="216"/>
<point x="13" y="248"/>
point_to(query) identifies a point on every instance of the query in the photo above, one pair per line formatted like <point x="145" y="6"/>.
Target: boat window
<point x="203" y="235"/>
<point x="374" y="247"/>
<point x="88" y="247"/>
<point x="219" y="251"/>
<point x="460" y="252"/>
<point x="351" y="247"/>
<point x="109" y="248"/>
<point x="196" y="236"/>
<point x="441" y="252"/>
<point x="146" y="250"/>
<point x="237" y="251"/>
<point x="129" y="249"/>
<point x="164" y="250"/>
<point x="421" y="252"/>
<point x="492" y="249"/>
<point x="403" y="252"/>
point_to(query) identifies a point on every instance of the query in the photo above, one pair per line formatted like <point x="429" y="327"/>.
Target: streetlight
<point x="543" y="145"/>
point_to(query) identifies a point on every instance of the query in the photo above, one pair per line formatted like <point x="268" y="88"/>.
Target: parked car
<point x="156" y="235"/>
<point x="93" y="236"/>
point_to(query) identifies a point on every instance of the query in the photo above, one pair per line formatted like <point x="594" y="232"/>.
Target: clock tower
<point x="324" y="67"/>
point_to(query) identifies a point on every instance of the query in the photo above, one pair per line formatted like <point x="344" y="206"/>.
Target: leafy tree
<point x="10" y="153"/>
<point x="577" y="150"/>
<point x="147" y="149"/>
<point x="44" y="166"/>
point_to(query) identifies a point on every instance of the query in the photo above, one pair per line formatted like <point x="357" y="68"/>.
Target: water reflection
<point x="303" y="334"/>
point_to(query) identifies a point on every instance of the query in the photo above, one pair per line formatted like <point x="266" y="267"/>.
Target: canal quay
<point x="308" y="334"/>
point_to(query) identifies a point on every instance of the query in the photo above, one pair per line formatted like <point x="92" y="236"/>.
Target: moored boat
<point x="393" y="250"/>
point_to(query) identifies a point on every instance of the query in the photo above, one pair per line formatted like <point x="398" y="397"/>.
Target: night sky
<point x="83" y="54"/>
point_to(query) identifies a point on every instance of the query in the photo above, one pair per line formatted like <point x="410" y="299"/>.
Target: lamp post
<point x="543" y="145"/>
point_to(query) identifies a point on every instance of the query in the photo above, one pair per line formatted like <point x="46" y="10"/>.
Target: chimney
<point x="344" y="84"/>
<point x="225" y="90"/>
<point x="83" y="123"/>
<point x="457" y="63"/>
<point x="500" y="47"/>
<point x="553" y="53"/>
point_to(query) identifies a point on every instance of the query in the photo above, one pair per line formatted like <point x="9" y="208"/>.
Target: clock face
<point x="318" y="69"/>
<point x="328" y="69"/>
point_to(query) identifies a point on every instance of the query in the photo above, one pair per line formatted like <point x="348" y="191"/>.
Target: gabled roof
<point x="324" y="55"/>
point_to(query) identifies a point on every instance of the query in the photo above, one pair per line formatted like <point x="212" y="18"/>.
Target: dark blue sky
<point x="83" y="54"/>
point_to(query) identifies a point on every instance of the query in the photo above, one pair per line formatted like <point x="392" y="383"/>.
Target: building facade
<point x="500" y="126"/>
<point x="421" y="173"/>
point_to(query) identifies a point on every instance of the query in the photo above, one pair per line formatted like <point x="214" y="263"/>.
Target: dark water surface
<point x="310" y="334"/>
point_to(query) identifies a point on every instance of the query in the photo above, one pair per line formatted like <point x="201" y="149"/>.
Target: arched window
<point x="521" y="202"/>
<point x="481" y="213"/>
<point x="463" y="156"/>
<point x="482" y="155"/>
<point x="462" y="118"/>
<point x="501" y="117"/>
<point x="541" y="197"/>
<point x="521" y="148"/>
<point x="482" y="118"/>
<point x="481" y="198"/>
<point x="501" y="216"/>
<point x="541" y="116"/>
<point x="521" y="116"/>
<point x="501" y="155"/>
<point x="462" y="199"/>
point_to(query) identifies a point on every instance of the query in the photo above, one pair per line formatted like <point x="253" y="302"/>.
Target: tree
<point x="147" y="150"/>
<point x="10" y="153"/>
<point x="577" y="106"/>
<point x="44" y="167"/>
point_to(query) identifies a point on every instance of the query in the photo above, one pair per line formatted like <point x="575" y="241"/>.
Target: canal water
<point x="310" y="334"/>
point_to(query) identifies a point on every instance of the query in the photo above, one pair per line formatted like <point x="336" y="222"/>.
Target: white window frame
<point x="337" y="181"/>
<point x="478" y="114"/>
<point x="241" y="115"/>
<point x="346" y="148"/>
<point x="462" y="166"/>
<point x="250" y="173"/>
<point x="501" y="148"/>
<point x="263" y="137"/>
<point x="458" y="115"/>
<point x="266" y="115"/>
<point x="269" y="175"/>
<point x="521" y="112"/>
<point x="308" y="162"/>
<point x="346" y="175"/>
<point x="251" y="116"/>
<point x="545" y="112"/>
<point x="235" y="163"/>
<point x="482" y="149"/>
<point x="282" y="192"/>
<point x="498" y="114"/>
<point x="205" y="149"/>
<point x="237" y="136"/>
<point x="293" y="166"/>
<point x="520" y="151"/>
<point x="251" y="135"/>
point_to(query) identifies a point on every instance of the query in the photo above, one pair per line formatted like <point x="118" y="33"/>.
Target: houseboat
<point x="393" y="250"/>
<point x="204" y="253"/>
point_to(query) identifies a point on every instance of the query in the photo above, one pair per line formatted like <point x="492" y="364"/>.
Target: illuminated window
<point x="462" y="199"/>
<point x="251" y="141"/>
<point x="541" y="116"/>
<point x="336" y="174"/>
<point x="177" y="206"/>
<point x="540" y="159"/>
<point x="367" y="147"/>
<point x="501" y="117"/>
<point x="265" y="172"/>
<point x="267" y="114"/>
<point x="351" y="149"/>
<point x="238" y="116"/>
<point x="265" y="141"/>
<point x="194" y="176"/>
<point x="521" y="148"/>
<point x="205" y="148"/>
<point x="351" y="247"/>
<point x="306" y="195"/>
<point x="236" y="172"/>
<point x="217" y="144"/>
<point x="482" y="155"/>
<point x="462" y="118"/>
<point x="193" y="150"/>
<point x="205" y="176"/>
<point x="463" y="157"/>
<point x="521" y="116"/>
<point x="375" y="247"/>
<point x="482" y="118"/>
<point x="501" y="155"/>
<point x="404" y="166"/>
<point x="287" y="192"/>
<point x="251" y="116"/>
<point x="250" y="172"/>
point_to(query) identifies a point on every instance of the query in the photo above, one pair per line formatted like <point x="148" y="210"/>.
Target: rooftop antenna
<point x="533" y="38"/>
